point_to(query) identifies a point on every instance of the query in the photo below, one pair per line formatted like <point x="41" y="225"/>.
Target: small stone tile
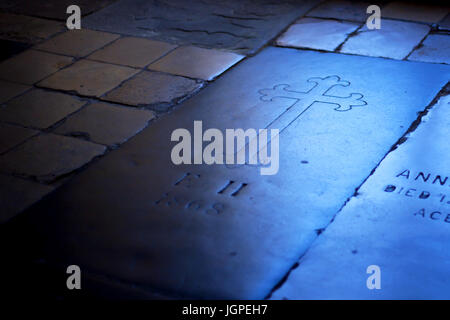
<point x="31" y="66"/>
<point x="106" y="124"/>
<point x="27" y="29"/>
<point x="10" y="136"/>
<point x="9" y="90"/>
<point x="196" y="62"/>
<point x="414" y="12"/>
<point x="48" y="156"/>
<point x="134" y="52"/>
<point x="436" y="49"/>
<point x="395" y="39"/>
<point x="18" y="194"/>
<point x="78" y="43"/>
<point x="345" y="10"/>
<point x="39" y="108"/>
<point x="89" y="78"/>
<point x="317" y="34"/>
<point x="445" y="23"/>
<point x="152" y="87"/>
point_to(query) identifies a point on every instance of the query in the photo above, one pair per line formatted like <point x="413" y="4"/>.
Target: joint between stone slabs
<point x="350" y="35"/>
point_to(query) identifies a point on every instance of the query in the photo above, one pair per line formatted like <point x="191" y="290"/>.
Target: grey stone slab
<point x="341" y="9"/>
<point x="399" y="221"/>
<point x="226" y="231"/>
<point x="242" y="26"/>
<point x="10" y="136"/>
<point x="435" y="48"/>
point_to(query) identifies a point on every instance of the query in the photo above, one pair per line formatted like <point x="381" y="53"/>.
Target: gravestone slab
<point x="242" y="26"/>
<point x="218" y="231"/>
<point x="400" y="221"/>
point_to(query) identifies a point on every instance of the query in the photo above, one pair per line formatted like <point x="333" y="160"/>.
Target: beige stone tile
<point x="318" y="34"/>
<point x="89" y="78"/>
<point x="414" y="12"/>
<point x="152" y="87"/>
<point x="31" y="66"/>
<point x="9" y="90"/>
<point x="39" y="108"/>
<point x="48" y="156"/>
<point x="131" y="51"/>
<point x="105" y="123"/>
<point x="77" y="43"/>
<point x="10" y="136"/>
<point x="18" y="194"/>
<point x="27" y="29"/>
<point x="196" y="62"/>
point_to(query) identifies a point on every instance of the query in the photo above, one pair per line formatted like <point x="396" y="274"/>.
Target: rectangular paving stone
<point x="48" y="156"/>
<point x="399" y="221"/>
<point x="395" y="39"/>
<point x="196" y="62"/>
<point x="243" y="26"/>
<point x="39" y="108"/>
<point x="17" y="194"/>
<point x="9" y="90"/>
<point x="415" y="11"/>
<point x="152" y="88"/>
<point x="10" y="136"/>
<point x="89" y="78"/>
<point x="27" y="29"/>
<point x="345" y="10"/>
<point x="106" y="124"/>
<point x="132" y="51"/>
<point x="216" y="231"/>
<point x="31" y="66"/>
<point x="77" y="43"/>
<point x="435" y="48"/>
<point x="318" y="34"/>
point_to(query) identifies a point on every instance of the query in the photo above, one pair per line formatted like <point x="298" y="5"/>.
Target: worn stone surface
<point x="345" y="10"/>
<point x="106" y="124"/>
<point x="48" y="156"/>
<point x="239" y="25"/>
<point x="77" y="43"/>
<point x="399" y="221"/>
<point x="148" y="88"/>
<point x="27" y="29"/>
<point x="40" y="109"/>
<point x="17" y="194"/>
<point x="445" y="23"/>
<point x="31" y="66"/>
<point x="196" y="62"/>
<point x="9" y="90"/>
<point x="435" y="48"/>
<point x="395" y="39"/>
<point x="317" y="34"/>
<point x="415" y="12"/>
<point x="132" y="51"/>
<point x="10" y="136"/>
<point x="228" y="232"/>
<point x="88" y="78"/>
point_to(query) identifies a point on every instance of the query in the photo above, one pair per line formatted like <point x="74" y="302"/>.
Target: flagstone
<point x="9" y="90"/>
<point x="10" y="136"/>
<point x="435" y="48"/>
<point x="345" y="10"/>
<point x="415" y="11"/>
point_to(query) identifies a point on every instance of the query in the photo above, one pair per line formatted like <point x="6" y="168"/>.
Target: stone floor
<point x="85" y="122"/>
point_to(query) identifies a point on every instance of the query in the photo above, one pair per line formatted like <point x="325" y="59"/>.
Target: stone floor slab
<point x="106" y="124"/>
<point x="31" y="66"/>
<point x="39" y="108"/>
<point x="445" y="23"/>
<point x="239" y="25"/>
<point x="133" y="52"/>
<point x="435" y="48"/>
<point x="27" y="29"/>
<point x="342" y="10"/>
<point x="220" y="231"/>
<point x="88" y="78"/>
<point x="10" y="136"/>
<point x="317" y="34"/>
<point x="395" y="39"/>
<point x="415" y="12"/>
<point x="196" y="62"/>
<point x="48" y="156"/>
<point x="9" y="90"/>
<point x="77" y="43"/>
<point x="399" y="221"/>
<point x="17" y="194"/>
<point x="151" y="88"/>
